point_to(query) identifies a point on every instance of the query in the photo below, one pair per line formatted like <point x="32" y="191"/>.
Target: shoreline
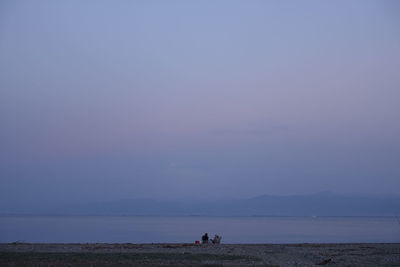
<point x="188" y="254"/>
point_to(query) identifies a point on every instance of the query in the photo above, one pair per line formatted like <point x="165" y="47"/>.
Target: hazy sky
<point x="104" y="100"/>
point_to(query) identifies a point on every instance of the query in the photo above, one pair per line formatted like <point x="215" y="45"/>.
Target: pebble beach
<point x="102" y="254"/>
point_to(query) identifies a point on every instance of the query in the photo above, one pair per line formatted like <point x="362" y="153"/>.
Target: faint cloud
<point x="254" y="128"/>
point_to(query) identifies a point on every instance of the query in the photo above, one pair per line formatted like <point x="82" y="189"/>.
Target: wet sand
<point x="363" y="254"/>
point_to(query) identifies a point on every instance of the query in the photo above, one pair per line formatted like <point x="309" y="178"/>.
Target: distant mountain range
<point x="320" y="204"/>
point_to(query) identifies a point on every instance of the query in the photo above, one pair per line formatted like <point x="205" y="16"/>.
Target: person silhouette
<point x="204" y="238"/>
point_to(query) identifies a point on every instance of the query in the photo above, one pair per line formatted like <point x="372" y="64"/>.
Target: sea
<point x="164" y="229"/>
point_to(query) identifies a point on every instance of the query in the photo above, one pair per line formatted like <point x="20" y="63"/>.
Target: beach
<point x="181" y="254"/>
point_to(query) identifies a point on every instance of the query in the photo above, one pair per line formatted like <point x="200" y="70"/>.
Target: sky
<point x="107" y="100"/>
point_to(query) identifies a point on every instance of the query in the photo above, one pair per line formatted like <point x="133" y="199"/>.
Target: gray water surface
<point x="154" y="229"/>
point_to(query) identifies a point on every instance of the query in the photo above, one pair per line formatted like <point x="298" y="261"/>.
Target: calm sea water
<point x="144" y="229"/>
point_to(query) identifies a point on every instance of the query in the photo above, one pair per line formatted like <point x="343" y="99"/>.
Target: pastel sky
<point x="103" y="100"/>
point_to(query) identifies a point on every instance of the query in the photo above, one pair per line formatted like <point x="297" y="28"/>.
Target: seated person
<point x="216" y="240"/>
<point x="204" y="239"/>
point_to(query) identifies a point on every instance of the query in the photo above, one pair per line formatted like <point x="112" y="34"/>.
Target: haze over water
<point x="159" y="229"/>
